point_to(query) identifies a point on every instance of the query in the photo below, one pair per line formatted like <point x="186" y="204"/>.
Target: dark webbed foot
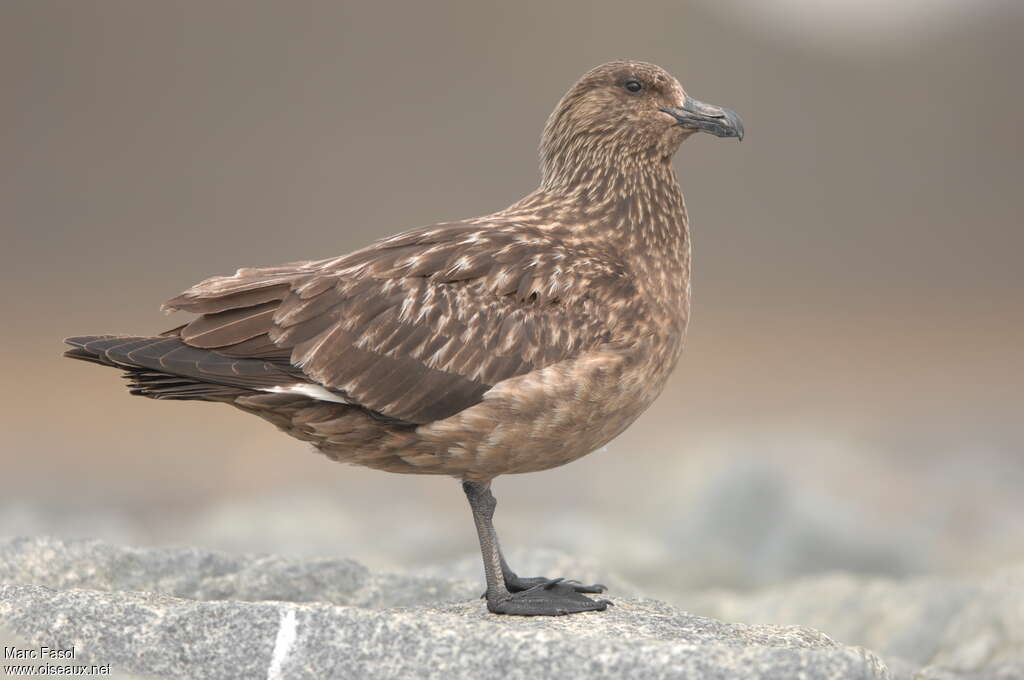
<point x="555" y="597"/>
<point x="517" y="584"/>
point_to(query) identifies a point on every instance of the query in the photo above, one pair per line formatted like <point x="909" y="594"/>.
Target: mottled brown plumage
<point x="513" y="342"/>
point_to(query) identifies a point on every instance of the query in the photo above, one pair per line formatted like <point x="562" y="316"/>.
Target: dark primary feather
<point x="167" y="368"/>
<point x="419" y="326"/>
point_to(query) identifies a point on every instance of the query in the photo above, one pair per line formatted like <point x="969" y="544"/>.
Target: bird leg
<point x="515" y="583"/>
<point x="510" y="594"/>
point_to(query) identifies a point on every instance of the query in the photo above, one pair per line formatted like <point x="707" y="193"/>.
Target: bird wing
<point x="419" y="326"/>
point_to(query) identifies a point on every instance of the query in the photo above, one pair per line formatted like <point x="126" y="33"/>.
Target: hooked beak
<point x="696" y="115"/>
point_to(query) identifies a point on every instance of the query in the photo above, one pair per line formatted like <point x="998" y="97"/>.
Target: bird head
<point x="628" y="110"/>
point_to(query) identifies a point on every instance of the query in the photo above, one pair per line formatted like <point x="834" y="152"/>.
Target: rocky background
<point x="187" y="612"/>
<point x="193" y="613"/>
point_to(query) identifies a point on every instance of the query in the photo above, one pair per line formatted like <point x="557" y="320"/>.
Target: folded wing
<point x="419" y="326"/>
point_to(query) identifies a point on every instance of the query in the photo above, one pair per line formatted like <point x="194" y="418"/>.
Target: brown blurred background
<point x="850" y="396"/>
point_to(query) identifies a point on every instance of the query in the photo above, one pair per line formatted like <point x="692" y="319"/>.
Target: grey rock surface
<point x="173" y="637"/>
<point x="191" y="613"/>
<point x="926" y="627"/>
<point x="203" y="575"/>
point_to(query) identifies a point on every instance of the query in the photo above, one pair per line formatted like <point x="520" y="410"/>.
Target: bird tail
<point x="166" y="368"/>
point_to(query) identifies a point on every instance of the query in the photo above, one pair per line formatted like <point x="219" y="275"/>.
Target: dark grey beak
<point x="696" y="115"/>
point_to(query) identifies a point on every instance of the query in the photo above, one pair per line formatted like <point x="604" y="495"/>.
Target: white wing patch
<point x="307" y="390"/>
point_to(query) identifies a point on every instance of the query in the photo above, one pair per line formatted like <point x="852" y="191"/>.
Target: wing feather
<point x="419" y="326"/>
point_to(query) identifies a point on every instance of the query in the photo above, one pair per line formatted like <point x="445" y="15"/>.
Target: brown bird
<point x="513" y="342"/>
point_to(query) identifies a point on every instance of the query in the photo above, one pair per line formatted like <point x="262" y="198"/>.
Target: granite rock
<point x="191" y="613"/>
<point x="196" y="574"/>
<point x="926" y="627"/>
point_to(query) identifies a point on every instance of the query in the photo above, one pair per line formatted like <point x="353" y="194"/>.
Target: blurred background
<point x="851" y="392"/>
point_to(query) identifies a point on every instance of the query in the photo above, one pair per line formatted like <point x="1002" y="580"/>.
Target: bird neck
<point x="634" y="210"/>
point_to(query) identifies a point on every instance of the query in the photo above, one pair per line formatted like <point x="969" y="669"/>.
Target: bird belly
<point x="537" y="421"/>
<point x="551" y="416"/>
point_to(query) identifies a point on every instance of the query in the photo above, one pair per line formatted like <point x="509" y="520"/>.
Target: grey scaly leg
<point x="531" y="597"/>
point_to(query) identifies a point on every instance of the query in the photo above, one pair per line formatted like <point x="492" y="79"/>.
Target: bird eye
<point x="633" y="86"/>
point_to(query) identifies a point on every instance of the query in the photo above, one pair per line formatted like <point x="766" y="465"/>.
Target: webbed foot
<point x="554" y="597"/>
<point x="517" y="584"/>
